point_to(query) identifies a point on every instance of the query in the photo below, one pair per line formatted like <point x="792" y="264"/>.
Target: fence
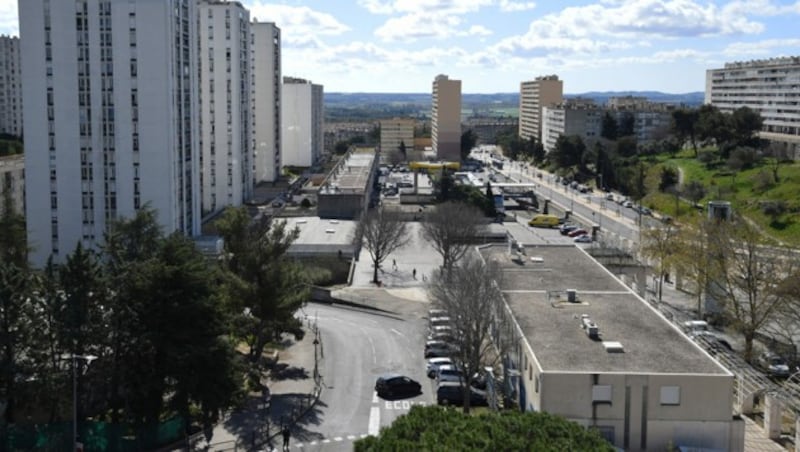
<point x="95" y="436"/>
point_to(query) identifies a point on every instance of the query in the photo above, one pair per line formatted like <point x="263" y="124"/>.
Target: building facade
<point x="10" y="87"/>
<point x="770" y="87"/>
<point x="225" y="86"/>
<point x="301" y="122"/>
<point x="574" y="117"/>
<point x="446" y="118"/>
<point x="265" y="50"/>
<point x="12" y="184"/>
<point x="395" y="133"/>
<point x="534" y="95"/>
<point x="586" y="347"/>
<point x="110" y="100"/>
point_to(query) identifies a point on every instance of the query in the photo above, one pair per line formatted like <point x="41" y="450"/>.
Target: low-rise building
<point x="346" y="191"/>
<point x="584" y="346"/>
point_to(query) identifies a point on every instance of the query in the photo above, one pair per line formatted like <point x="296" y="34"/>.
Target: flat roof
<point x="317" y="231"/>
<point x="352" y="175"/>
<point x="536" y="294"/>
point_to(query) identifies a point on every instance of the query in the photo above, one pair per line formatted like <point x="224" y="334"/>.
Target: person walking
<point x="414" y="273"/>
<point x="394" y="264"/>
<point x="287" y="434"/>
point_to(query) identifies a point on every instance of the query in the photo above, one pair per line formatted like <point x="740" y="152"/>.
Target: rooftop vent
<point x="572" y="295"/>
<point x="613" y="347"/>
<point x="591" y="328"/>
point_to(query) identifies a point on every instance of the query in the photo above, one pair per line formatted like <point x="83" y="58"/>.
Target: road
<point x="358" y="346"/>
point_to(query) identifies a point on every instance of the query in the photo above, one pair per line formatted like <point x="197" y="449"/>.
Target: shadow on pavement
<point x="300" y="430"/>
<point x="285" y="371"/>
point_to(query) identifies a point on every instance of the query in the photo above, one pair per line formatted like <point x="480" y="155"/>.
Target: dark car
<point x="392" y="385"/>
<point x="438" y="352"/>
<point x="567" y="228"/>
<point x="577" y="232"/>
<point x="452" y="393"/>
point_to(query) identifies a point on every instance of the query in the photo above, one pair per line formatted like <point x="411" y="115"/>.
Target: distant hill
<point x="347" y="100"/>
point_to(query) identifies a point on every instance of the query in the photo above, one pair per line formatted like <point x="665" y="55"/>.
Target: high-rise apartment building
<point x="446" y="118"/>
<point x="770" y="87"/>
<point x="534" y="95"/>
<point x="10" y="87"/>
<point x="301" y="122"/>
<point x="265" y="51"/>
<point x="111" y="113"/>
<point x="225" y="86"/>
<point x="397" y="133"/>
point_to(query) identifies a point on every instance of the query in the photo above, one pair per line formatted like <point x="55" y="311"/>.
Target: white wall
<point x="266" y="76"/>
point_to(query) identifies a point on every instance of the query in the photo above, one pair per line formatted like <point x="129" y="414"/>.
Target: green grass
<point x="744" y="189"/>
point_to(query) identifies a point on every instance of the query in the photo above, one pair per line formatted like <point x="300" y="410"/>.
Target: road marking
<point x="325" y="441"/>
<point x="338" y="438"/>
<point x="402" y="404"/>
<point x="374" y="421"/>
<point x="312" y="443"/>
<point x="351" y="437"/>
<point x="374" y="396"/>
<point x="396" y="332"/>
<point x="374" y="354"/>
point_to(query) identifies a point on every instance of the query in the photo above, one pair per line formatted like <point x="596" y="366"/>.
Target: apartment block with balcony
<point x="770" y="87"/>
<point x="395" y="133"/>
<point x="446" y="118"/>
<point x="110" y="105"/>
<point x="10" y="87"/>
<point x="534" y="95"/>
<point x="265" y="49"/>
<point x="225" y="88"/>
<point x="580" y="117"/>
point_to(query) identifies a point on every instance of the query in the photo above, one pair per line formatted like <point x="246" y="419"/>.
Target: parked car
<point x="565" y="229"/>
<point x="436" y="313"/>
<point x="585" y="238"/>
<point x="773" y="365"/>
<point x="391" y="385"/>
<point x="452" y="393"/>
<point x="439" y="352"/>
<point x="448" y="372"/>
<point x="609" y="197"/>
<point x="434" y="363"/>
<point x="277" y="203"/>
<point x="443" y="330"/>
<point x="577" y="232"/>
<point x="627" y="204"/>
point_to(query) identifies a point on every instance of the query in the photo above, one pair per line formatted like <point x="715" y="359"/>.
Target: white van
<point x="695" y="326"/>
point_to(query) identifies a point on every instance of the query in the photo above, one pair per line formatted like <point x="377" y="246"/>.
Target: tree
<point x="568" y="151"/>
<point x="450" y="228"/>
<point x="627" y="123"/>
<point x="263" y="286"/>
<point x="609" y="127"/>
<point x="746" y="124"/>
<point x="403" y="150"/>
<point x="470" y="292"/>
<point x="712" y="124"/>
<point x="341" y="147"/>
<point x="692" y="255"/>
<point x="668" y="178"/>
<point x="746" y="273"/>
<point x="684" y="121"/>
<point x="659" y="244"/>
<point x="436" y="428"/>
<point x="468" y="141"/>
<point x="382" y="232"/>
<point x="695" y="191"/>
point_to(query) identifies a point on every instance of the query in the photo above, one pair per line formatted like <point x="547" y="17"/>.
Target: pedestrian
<point x="394" y="264"/>
<point x="414" y="273"/>
<point x="287" y="434"/>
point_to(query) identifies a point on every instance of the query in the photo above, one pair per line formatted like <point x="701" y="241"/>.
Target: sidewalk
<point x="292" y="399"/>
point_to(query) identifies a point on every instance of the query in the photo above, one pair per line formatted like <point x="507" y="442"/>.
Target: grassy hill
<point x="749" y="192"/>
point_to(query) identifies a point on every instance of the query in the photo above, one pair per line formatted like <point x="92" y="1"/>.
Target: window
<point x="670" y="395"/>
<point x="601" y="394"/>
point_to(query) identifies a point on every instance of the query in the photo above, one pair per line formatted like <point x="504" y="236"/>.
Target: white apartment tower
<point x="225" y="84"/>
<point x="446" y="118"/>
<point x="10" y="87"/>
<point x="301" y="122"/>
<point x="533" y="96"/>
<point x="770" y="87"/>
<point x="110" y="106"/>
<point x="265" y="51"/>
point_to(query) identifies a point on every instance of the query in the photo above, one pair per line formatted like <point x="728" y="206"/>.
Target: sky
<point x="393" y="46"/>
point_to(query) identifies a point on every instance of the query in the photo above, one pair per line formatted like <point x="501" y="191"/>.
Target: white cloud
<point x="297" y="23"/>
<point x="508" y="6"/>
<point x="8" y="17"/>
<point x="424" y="6"/>
<point x="410" y="27"/>
<point x="478" y="30"/>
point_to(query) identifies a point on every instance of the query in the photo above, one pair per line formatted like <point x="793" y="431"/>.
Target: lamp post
<point x="75" y="358"/>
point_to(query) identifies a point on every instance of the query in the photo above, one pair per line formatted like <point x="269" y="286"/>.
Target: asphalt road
<point x="358" y="346"/>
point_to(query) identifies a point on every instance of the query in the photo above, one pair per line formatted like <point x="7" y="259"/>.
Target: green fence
<point x="95" y="436"/>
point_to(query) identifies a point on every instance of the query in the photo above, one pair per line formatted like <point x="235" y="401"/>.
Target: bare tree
<point x="692" y="255"/>
<point x="450" y="228"/>
<point x="471" y="295"/>
<point x="382" y="232"/>
<point x="747" y="276"/>
<point x="659" y="244"/>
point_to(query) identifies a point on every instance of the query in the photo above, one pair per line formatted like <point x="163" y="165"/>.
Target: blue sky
<point x="492" y="45"/>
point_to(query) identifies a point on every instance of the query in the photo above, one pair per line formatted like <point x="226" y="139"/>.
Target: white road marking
<point x="374" y="354"/>
<point x="374" y="396"/>
<point x="325" y="441"/>
<point x="396" y="332"/>
<point x="374" y="421"/>
<point x="312" y="443"/>
<point x="351" y="437"/>
<point x="402" y="404"/>
<point x="338" y="438"/>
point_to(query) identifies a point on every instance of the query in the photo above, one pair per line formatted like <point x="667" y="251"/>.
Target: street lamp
<point x="75" y="358"/>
